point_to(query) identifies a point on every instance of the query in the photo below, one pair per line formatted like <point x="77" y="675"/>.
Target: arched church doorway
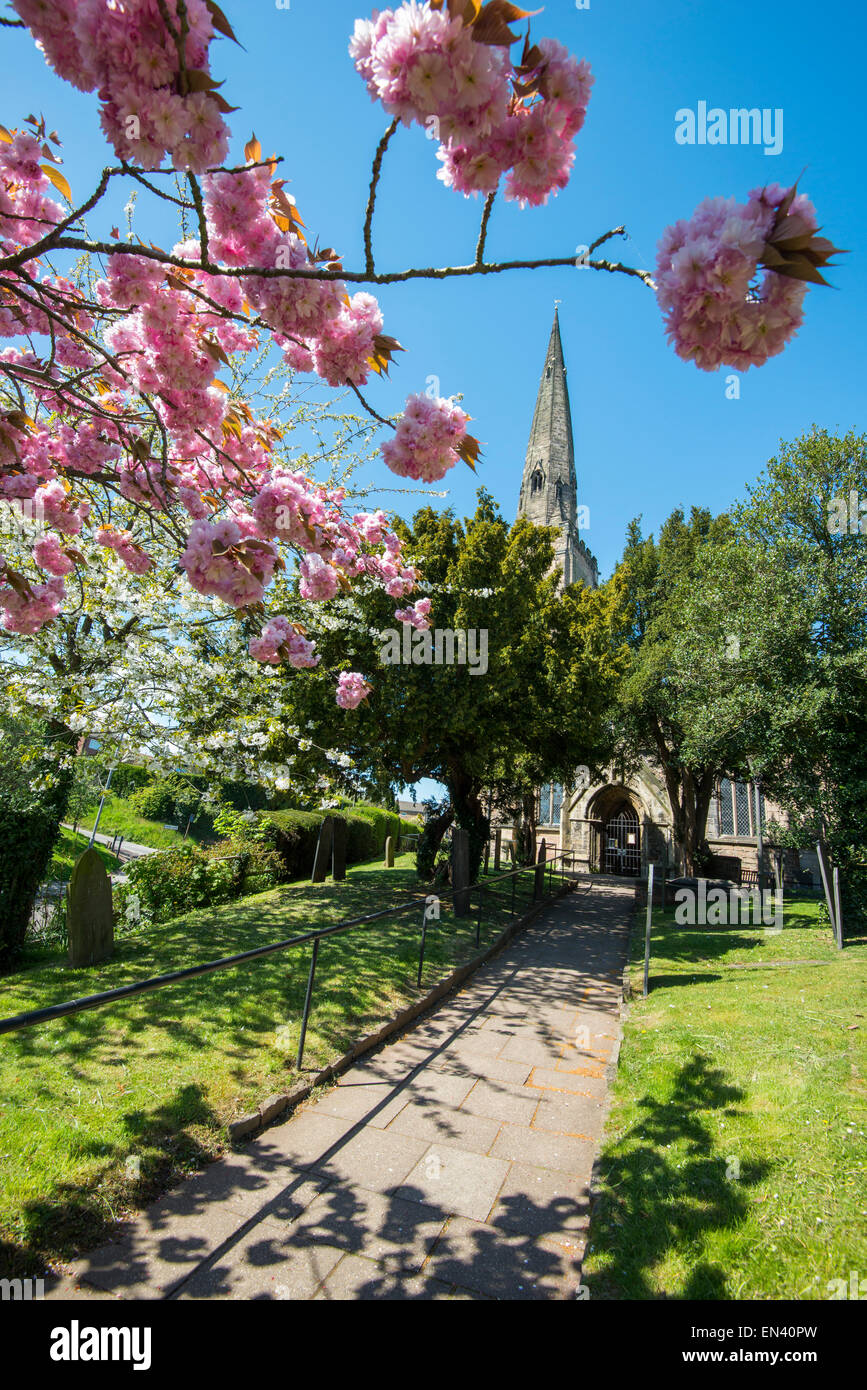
<point x="615" y="833"/>
<point x="622" y="841"/>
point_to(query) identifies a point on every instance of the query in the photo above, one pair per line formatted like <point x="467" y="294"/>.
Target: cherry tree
<point x="114" y="386"/>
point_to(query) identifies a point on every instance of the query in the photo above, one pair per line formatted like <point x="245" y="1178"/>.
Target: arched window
<point x="537" y="480"/>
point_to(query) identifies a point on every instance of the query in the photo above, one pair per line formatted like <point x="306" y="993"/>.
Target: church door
<point x="621" y="842"/>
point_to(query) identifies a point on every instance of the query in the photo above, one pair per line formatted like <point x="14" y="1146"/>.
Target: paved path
<point x="129" y="849"/>
<point x="454" y="1162"/>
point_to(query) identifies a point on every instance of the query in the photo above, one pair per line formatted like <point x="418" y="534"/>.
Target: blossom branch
<point x="370" y="410"/>
<point x="483" y="230"/>
<point x="318" y="273"/>
<point x="371" y="202"/>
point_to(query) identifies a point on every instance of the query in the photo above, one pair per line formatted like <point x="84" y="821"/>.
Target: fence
<point x="539" y="872"/>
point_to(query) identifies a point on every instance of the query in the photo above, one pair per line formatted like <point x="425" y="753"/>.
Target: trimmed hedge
<point x="293" y="834"/>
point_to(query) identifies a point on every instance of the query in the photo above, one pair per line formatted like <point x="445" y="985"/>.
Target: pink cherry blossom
<point x="126" y="53"/>
<point x="319" y="580"/>
<point x="706" y="267"/>
<point x="351" y="689"/>
<point x="417" y="615"/>
<point x="426" y="443"/>
<point x="50" y="555"/>
<point x="279" y="640"/>
<point x="426" y="66"/>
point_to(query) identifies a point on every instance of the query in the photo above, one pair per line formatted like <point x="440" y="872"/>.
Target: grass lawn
<point x="118" y="817"/>
<point x="68" y="848"/>
<point x="734" y="1166"/>
<point x="158" y="1077"/>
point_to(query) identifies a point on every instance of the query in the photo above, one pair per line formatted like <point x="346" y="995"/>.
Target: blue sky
<point x="651" y="431"/>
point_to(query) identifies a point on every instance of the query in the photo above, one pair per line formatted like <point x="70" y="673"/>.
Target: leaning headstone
<point x="338" y="850"/>
<point x="389" y="853"/>
<point x="461" y="872"/>
<point x="498" y="849"/>
<point x="323" y="851"/>
<point x="89" y="914"/>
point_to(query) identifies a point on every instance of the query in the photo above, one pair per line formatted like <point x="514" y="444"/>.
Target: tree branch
<point x="370" y="410"/>
<point x="356" y="277"/>
<point x="371" y="202"/>
<point x="483" y="230"/>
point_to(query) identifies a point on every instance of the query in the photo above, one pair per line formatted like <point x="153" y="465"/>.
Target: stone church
<point x="616" y="826"/>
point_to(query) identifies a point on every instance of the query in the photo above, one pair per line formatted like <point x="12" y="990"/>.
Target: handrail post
<point x="421" y="951"/>
<point x="513" y="895"/>
<point x="307" y="1000"/>
<point x="648" y="929"/>
<point x="479" y="918"/>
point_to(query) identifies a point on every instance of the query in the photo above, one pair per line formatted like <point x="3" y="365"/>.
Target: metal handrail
<point x="156" y="982"/>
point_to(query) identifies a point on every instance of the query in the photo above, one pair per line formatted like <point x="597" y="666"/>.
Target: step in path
<point x="453" y="1163"/>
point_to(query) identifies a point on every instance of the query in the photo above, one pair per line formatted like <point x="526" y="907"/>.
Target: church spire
<point x="549" y="488"/>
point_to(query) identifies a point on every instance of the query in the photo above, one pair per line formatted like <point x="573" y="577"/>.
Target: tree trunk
<point x="429" y="841"/>
<point x="689" y="795"/>
<point x="527" y="832"/>
<point x="466" y="795"/>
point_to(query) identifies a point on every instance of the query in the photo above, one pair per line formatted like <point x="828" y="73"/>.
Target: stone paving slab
<point x="452" y="1164"/>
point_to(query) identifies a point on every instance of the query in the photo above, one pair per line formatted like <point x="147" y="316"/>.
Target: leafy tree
<point x="538" y="711"/>
<point x="658" y="576"/>
<point x="774" y="636"/>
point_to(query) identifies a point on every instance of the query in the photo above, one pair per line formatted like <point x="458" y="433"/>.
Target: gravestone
<point x="498" y="849"/>
<point x="461" y="871"/>
<point x="323" y="851"/>
<point x="338" y="850"/>
<point x="89" y="913"/>
<point x="389" y="853"/>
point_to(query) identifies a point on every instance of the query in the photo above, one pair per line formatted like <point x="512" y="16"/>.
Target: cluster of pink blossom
<point x="280" y="640"/>
<point x="154" y="85"/>
<point x="705" y="274"/>
<point x="343" y="350"/>
<point x="25" y="216"/>
<point x="351" y="689"/>
<point x="421" y="63"/>
<point x="53" y="504"/>
<point x="315" y="323"/>
<point x="227" y="561"/>
<point x="491" y="119"/>
<point x="319" y="580"/>
<point x="427" y="440"/>
<point x="243" y="232"/>
<point x="51" y="557"/>
<point x="163" y="349"/>
<point x="122" y="543"/>
<point x="417" y="614"/>
<point x="28" y="607"/>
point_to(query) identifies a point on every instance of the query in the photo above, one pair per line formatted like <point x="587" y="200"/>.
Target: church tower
<point x="549" y="489"/>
